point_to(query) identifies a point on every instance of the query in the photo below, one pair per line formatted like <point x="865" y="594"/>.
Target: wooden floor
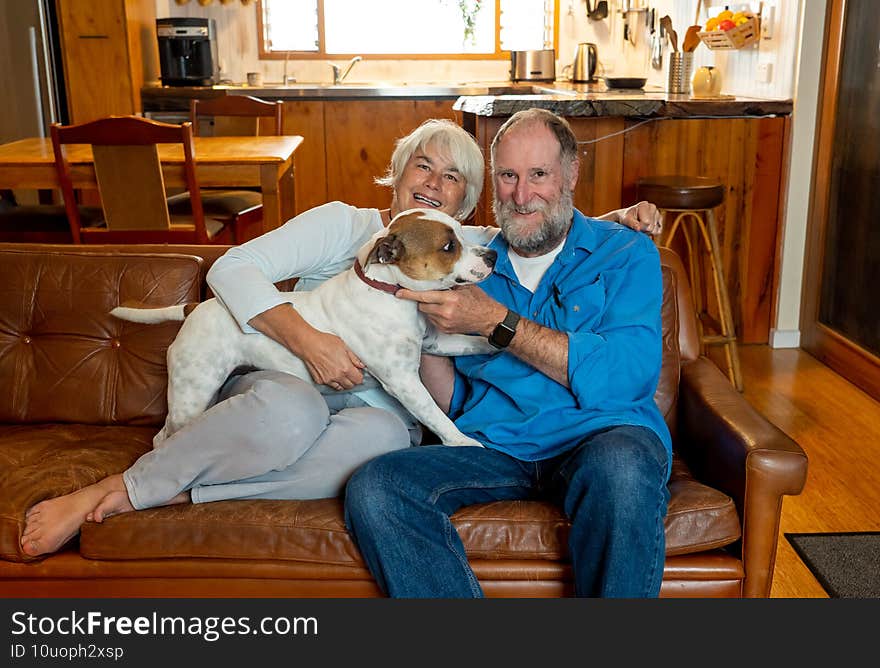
<point x="838" y="426"/>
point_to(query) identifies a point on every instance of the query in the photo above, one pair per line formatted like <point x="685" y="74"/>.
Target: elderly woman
<point x="269" y="434"/>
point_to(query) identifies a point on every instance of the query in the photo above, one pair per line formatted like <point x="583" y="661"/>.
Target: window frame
<point x="321" y="54"/>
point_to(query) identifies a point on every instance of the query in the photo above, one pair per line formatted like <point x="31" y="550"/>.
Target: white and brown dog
<point x="420" y="250"/>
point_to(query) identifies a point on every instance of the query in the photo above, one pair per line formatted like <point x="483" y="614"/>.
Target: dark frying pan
<point x="625" y="82"/>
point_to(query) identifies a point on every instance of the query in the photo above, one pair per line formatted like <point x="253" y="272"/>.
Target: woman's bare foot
<point x="117" y="502"/>
<point x="51" y="523"/>
<point x="113" y="503"/>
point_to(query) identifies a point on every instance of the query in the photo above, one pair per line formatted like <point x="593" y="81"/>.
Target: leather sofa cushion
<point x="44" y="461"/>
<point x="65" y="358"/>
<point x="699" y="518"/>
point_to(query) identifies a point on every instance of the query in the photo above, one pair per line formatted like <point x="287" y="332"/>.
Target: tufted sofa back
<point x="63" y="358"/>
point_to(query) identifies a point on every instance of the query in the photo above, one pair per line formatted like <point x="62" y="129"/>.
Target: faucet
<point x="339" y="78"/>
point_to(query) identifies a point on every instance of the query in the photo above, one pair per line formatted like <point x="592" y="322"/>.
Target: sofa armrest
<point x="728" y="445"/>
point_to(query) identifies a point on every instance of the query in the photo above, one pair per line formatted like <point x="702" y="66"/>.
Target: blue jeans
<point x="612" y="486"/>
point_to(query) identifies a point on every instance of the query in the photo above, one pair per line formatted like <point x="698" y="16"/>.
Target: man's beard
<point x="542" y="238"/>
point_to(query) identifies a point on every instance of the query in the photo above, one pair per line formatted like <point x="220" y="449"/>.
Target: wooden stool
<point x="693" y="199"/>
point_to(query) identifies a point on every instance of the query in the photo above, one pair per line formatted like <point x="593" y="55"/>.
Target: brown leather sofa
<point x="83" y="394"/>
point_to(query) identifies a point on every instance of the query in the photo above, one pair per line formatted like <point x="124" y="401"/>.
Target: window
<point x="405" y="28"/>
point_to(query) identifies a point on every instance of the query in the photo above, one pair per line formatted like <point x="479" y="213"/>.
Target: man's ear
<point x="387" y="250"/>
<point x="575" y="172"/>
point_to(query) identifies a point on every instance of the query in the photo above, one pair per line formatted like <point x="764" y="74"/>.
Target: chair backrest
<point x="130" y="180"/>
<point x="237" y="115"/>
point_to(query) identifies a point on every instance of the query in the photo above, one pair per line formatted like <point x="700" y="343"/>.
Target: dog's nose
<point x="489" y="257"/>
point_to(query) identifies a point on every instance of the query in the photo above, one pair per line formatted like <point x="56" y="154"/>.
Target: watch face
<point x="501" y="336"/>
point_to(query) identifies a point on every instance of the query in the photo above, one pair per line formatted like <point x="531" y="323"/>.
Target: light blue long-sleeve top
<point x="313" y="247"/>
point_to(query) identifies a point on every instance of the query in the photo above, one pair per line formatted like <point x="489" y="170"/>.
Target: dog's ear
<point x="387" y="250"/>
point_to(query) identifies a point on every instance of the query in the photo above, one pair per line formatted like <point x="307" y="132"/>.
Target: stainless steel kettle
<point x="583" y="67"/>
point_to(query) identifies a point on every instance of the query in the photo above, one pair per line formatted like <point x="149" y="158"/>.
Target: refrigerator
<point x="31" y="78"/>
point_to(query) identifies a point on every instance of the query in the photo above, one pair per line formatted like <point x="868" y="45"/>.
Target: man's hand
<point x="464" y="310"/>
<point x="642" y="217"/>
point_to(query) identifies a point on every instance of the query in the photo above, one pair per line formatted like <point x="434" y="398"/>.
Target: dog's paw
<point x="464" y="441"/>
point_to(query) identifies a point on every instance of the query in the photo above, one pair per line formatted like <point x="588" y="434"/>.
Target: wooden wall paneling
<point x="360" y="138"/>
<point x="306" y="118"/>
<point x="737" y="152"/>
<point x="599" y="186"/>
<point x="485" y="130"/>
<point x="766" y="211"/>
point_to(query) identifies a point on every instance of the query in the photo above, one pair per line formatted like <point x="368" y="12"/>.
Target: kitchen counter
<point x="166" y="98"/>
<point x="488" y="98"/>
<point x="586" y="100"/>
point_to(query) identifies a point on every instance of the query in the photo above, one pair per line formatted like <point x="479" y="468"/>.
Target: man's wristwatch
<point x="503" y="333"/>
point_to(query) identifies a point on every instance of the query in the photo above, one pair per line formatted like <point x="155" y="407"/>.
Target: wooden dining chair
<point x="233" y="115"/>
<point x="131" y="183"/>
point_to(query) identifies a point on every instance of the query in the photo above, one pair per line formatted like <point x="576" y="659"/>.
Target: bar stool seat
<point x="693" y="200"/>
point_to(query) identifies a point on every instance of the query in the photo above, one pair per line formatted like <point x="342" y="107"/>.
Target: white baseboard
<point x="785" y="338"/>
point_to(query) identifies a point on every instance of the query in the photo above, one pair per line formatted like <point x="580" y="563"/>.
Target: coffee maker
<point x="187" y="51"/>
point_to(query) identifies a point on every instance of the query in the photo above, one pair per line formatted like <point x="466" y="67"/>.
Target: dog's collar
<point x="379" y="285"/>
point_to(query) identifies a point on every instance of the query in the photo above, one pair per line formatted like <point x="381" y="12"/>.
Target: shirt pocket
<point x="578" y="308"/>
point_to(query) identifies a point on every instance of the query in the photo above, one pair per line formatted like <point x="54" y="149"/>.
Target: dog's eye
<point x="449" y="247"/>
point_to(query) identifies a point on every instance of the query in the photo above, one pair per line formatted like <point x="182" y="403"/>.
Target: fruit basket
<point x="739" y="37"/>
<point x="746" y="32"/>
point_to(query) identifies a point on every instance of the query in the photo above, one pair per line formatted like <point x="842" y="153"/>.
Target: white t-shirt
<point x="530" y="270"/>
<point x="313" y="246"/>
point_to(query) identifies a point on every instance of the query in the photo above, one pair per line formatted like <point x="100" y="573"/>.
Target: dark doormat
<point x="846" y="564"/>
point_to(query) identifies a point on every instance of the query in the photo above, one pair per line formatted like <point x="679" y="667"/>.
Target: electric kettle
<point x="583" y="67"/>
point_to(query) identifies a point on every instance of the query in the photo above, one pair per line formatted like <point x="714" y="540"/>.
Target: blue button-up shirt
<point x="604" y="290"/>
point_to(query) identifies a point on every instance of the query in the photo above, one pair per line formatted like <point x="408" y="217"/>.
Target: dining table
<point x="226" y="162"/>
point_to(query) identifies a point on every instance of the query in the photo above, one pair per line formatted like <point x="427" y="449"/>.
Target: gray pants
<point x="270" y="435"/>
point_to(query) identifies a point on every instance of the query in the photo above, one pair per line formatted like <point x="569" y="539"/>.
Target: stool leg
<point x="710" y="237"/>
<point x="693" y="265"/>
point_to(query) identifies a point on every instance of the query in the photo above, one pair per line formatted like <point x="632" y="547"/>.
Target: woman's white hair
<point x="451" y="139"/>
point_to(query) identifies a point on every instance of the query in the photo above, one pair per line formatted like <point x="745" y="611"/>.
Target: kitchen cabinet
<point x="109" y="50"/>
<point x="348" y="144"/>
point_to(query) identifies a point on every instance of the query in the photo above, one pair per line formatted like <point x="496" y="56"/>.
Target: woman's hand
<point x="642" y="217"/>
<point x="329" y="360"/>
<point x="326" y="356"/>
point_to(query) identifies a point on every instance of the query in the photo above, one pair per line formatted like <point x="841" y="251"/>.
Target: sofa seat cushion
<point x="44" y="461"/>
<point x="699" y="518"/>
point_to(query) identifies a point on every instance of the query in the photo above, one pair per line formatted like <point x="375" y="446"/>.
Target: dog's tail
<point x="153" y="315"/>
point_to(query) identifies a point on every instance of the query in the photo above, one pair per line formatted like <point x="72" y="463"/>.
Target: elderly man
<point x="565" y="410"/>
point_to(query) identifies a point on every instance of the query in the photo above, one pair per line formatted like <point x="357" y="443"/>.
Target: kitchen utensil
<point x="666" y="23"/>
<point x="599" y="12"/>
<point x="656" y="50"/>
<point x="583" y="67"/>
<point x="616" y="83"/>
<point x="691" y="39"/>
<point x="535" y="65"/>
<point x="680" y="66"/>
